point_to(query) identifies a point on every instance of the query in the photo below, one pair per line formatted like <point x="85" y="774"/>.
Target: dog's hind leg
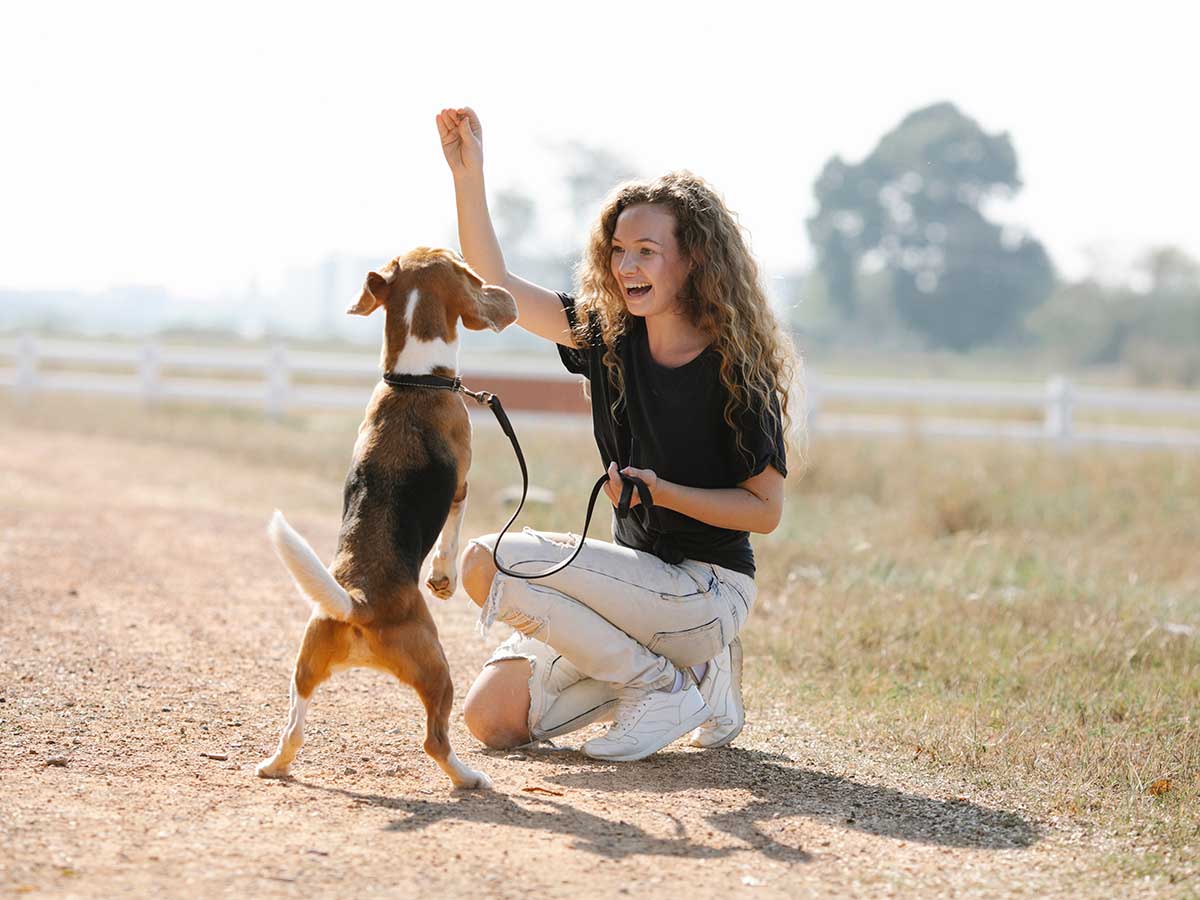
<point x="323" y="645"/>
<point x="443" y="571"/>
<point x="416" y="658"/>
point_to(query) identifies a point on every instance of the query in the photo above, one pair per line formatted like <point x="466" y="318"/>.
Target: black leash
<point x="490" y="400"/>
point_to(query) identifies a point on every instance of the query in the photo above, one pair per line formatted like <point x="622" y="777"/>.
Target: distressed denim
<point x="615" y="619"/>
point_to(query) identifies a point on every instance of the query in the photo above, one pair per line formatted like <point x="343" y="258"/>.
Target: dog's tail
<point x="311" y="577"/>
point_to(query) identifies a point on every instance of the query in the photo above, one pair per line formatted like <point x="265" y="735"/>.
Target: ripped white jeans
<point x="619" y="617"/>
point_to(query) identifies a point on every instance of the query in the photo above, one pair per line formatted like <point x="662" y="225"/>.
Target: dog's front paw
<point x="470" y="780"/>
<point x="441" y="584"/>
<point x="269" y="768"/>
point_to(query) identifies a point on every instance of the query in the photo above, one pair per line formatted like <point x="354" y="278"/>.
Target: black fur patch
<point x="409" y="505"/>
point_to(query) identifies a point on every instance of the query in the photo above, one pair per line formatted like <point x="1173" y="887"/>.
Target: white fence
<point x="279" y="379"/>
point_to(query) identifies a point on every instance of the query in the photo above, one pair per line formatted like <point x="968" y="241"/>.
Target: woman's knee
<point x="477" y="571"/>
<point x="496" y="710"/>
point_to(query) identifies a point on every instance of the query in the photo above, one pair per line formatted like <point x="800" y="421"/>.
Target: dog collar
<point x="438" y="382"/>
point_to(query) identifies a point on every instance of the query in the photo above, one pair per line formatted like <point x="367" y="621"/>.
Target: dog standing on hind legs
<point x="406" y="488"/>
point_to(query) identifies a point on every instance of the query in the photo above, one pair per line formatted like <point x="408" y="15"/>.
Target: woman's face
<point x="646" y="260"/>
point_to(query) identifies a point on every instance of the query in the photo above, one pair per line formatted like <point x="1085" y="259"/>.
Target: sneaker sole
<point x="735" y="663"/>
<point x="687" y="725"/>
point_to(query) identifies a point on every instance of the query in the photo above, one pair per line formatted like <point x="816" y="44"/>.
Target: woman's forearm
<point x="476" y="235"/>
<point x="736" y="508"/>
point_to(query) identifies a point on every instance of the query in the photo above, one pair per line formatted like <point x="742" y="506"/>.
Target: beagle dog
<point x="406" y="489"/>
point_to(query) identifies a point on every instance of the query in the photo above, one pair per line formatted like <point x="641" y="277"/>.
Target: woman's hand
<point x="462" y="141"/>
<point x="615" y="484"/>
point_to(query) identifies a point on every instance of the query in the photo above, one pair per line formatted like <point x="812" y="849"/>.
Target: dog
<point x="406" y="489"/>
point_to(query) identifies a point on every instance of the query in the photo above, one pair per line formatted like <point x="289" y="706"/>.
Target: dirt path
<point x="144" y="622"/>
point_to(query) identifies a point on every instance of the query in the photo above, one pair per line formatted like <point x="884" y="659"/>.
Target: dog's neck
<point x="420" y="357"/>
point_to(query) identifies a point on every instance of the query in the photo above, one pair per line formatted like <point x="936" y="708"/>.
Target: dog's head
<point x="425" y="294"/>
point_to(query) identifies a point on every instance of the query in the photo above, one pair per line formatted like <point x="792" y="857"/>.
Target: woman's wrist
<point x="468" y="181"/>
<point x="665" y="493"/>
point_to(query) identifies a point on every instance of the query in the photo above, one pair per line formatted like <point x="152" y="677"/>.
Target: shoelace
<point x="627" y="713"/>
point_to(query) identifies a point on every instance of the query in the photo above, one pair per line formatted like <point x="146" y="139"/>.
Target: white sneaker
<point x="721" y="688"/>
<point x="647" y="723"/>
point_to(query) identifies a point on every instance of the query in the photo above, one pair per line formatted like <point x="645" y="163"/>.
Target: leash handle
<point x="628" y="484"/>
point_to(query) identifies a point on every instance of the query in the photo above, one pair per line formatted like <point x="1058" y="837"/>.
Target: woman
<point x="687" y="368"/>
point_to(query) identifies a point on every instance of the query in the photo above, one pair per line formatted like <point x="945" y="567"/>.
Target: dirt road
<point x="145" y="623"/>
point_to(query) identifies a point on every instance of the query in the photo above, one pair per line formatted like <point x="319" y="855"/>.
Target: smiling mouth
<point x="637" y="290"/>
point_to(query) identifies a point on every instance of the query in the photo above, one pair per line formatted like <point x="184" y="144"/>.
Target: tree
<point x="1170" y="271"/>
<point x="1150" y="325"/>
<point x="915" y="207"/>
<point x="591" y="173"/>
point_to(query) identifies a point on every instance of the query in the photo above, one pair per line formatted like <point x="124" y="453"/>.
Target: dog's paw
<point x="441" y="584"/>
<point x="268" y="769"/>
<point x="470" y="780"/>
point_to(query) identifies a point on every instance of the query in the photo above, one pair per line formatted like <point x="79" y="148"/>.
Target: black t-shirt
<point x="673" y="421"/>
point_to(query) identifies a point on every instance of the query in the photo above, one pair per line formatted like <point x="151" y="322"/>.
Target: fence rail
<point x="279" y="379"/>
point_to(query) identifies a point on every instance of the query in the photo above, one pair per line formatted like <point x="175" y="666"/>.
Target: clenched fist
<point x="462" y="141"/>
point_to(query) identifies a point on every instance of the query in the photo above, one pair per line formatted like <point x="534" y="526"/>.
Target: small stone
<point x="349" y="771"/>
<point x="59" y="761"/>
<point x="518" y="756"/>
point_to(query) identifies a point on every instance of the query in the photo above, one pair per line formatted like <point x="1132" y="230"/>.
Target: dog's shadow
<point x="779" y="791"/>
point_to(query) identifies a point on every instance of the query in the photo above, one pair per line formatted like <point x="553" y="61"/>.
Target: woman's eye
<point x="616" y="249"/>
<point x="646" y="251"/>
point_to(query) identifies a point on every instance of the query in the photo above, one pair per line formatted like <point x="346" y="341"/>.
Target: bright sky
<point x="202" y="145"/>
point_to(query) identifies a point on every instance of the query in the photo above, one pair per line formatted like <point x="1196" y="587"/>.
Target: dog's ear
<point x="485" y="305"/>
<point x="374" y="294"/>
<point x="489" y="306"/>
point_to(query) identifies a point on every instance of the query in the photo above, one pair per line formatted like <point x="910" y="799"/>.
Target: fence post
<point x="1059" y="410"/>
<point x="150" y="370"/>
<point x="27" y="368"/>
<point x="279" y="381"/>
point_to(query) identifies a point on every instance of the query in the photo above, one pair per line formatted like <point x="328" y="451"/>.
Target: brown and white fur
<point x="407" y="485"/>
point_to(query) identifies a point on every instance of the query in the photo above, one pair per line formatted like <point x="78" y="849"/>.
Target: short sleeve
<point x="762" y="441"/>
<point x="575" y="359"/>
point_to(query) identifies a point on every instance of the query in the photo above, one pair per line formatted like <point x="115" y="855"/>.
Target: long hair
<point x="722" y="296"/>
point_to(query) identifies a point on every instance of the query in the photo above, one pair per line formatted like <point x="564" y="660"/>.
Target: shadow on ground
<point x="780" y="790"/>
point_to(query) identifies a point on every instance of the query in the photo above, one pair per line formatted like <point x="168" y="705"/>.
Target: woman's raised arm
<point x="538" y="310"/>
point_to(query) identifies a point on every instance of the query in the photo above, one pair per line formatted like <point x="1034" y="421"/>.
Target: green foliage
<point x="1153" y="330"/>
<point x="914" y="208"/>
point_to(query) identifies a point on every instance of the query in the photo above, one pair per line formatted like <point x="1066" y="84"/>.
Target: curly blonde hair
<point x="722" y="295"/>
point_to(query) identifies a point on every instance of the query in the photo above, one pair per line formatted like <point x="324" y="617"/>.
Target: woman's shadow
<point x="782" y="790"/>
<point x="779" y="790"/>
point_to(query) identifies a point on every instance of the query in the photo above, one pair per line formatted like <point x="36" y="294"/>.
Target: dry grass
<point x="1026" y="618"/>
<point x="1030" y="618"/>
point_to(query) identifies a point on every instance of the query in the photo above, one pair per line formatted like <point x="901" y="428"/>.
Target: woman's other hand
<point x="462" y="141"/>
<point x="614" y="485"/>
